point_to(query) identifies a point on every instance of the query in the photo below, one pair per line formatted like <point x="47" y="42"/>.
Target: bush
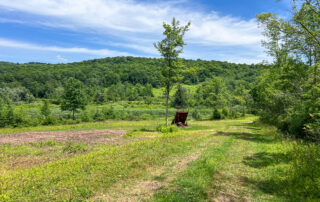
<point x="225" y="113"/>
<point x="196" y="115"/>
<point x="98" y="116"/>
<point x="312" y="130"/>
<point x="216" y="115"/>
<point x="49" y="120"/>
<point x="304" y="174"/>
<point x="85" y="116"/>
<point x="132" y="133"/>
<point x="71" y="147"/>
<point x="49" y="143"/>
<point x="146" y="117"/>
<point x="165" y="129"/>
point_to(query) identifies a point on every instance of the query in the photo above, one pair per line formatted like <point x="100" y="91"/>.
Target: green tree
<point x="74" y="97"/>
<point x="306" y="20"/>
<point x="99" y="96"/>
<point x="148" y="91"/>
<point x="274" y="38"/>
<point x="181" y="98"/>
<point x="112" y="93"/>
<point x="45" y="109"/>
<point x="9" y="115"/>
<point x="213" y="93"/>
<point x="2" y="113"/>
<point x="170" y="48"/>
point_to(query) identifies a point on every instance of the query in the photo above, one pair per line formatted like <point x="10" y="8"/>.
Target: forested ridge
<point x="44" y="80"/>
<point x="212" y="89"/>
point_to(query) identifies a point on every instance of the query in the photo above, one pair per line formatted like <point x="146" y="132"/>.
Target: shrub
<point x="216" y="115"/>
<point x="165" y="129"/>
<point x="48" y="143"/>
<point x="196" y="115"/>
<point x="225" y="113"/>
<point x="98" y="116"/>
<point x="132" y="133"/>
<point x="49" y="120"/>
<point x="71" y="147"/>
<point x="304" y="174"/>
<point x="146" y="117"/>
<point x="85" y="116"/>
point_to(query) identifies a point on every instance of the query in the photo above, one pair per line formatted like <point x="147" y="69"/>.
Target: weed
<point x="72" y="147"/>
<point x="146" y="130"/>
<point x="132" y="133"/>
<point x="49" y="143"/>
<point x="167" y="129"/>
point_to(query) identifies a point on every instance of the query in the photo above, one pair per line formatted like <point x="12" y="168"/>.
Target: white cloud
<point x="31" y="46"/>
<point x="136" y="25"/>
<point x="61" y="59"/>
<point x="123" y="17"/>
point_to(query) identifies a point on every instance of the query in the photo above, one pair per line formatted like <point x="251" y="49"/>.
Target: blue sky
<point x="62" y="31"/>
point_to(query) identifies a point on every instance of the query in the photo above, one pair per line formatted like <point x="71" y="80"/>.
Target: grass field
<point x="209" y="161"/>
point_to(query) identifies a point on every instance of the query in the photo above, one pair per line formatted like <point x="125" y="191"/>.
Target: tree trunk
<point x="167" y="105"/>
<point x="72" y="114"/>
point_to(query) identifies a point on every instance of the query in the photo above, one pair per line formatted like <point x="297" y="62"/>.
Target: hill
<point x="45" y="80"/>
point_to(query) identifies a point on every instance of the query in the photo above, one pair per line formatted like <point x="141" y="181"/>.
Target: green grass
<point x="229" y="160"/>
<point x="84" y="174"/>
<point x="194" y="183"/>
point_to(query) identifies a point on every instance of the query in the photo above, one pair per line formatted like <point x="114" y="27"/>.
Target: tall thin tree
<point x="170" y="48"/>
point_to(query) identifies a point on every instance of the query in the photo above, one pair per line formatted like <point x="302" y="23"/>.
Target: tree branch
<point x="310" y="33"/>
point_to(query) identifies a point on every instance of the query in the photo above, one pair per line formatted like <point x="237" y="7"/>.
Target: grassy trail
<point x="233" y="160"/>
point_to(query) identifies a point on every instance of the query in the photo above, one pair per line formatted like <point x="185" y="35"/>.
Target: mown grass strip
<point x="193" y="184"/>
<point x="80" y="177"/>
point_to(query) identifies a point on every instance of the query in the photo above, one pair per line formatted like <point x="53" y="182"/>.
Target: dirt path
<point x="228" y="183"/>
<point x="103" y="136"/>
<point x="143" y="188"/>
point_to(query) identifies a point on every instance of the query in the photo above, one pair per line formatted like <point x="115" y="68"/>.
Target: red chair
<point x="180" y="119"/>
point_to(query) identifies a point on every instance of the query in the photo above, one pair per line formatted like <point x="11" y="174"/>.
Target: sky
<point x="63" y="31"/>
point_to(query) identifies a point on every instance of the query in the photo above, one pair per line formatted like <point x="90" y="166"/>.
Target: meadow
<point x="94" y="130"/>
<point x="239" y="159"/>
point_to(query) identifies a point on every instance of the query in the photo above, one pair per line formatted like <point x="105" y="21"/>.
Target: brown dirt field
<point x="93" y="136"/>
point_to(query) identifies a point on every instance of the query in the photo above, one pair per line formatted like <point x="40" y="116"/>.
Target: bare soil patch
<point x="93" y="136"/>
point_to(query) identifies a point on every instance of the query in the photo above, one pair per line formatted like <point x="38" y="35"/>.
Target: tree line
<point x="37" y="80"/>
<point x="288" y="94"/>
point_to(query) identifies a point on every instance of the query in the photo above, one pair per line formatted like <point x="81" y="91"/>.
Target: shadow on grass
<point x="286" y="185"/>
<point x="254" y="137"/>
<point x="276" y="181"/>
<point x="264" y="159"/>
<point x="196" y="127"/>
<point x="273" y="186"/>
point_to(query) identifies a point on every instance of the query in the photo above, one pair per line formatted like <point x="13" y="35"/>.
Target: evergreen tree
<point x="181" y="98"/>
